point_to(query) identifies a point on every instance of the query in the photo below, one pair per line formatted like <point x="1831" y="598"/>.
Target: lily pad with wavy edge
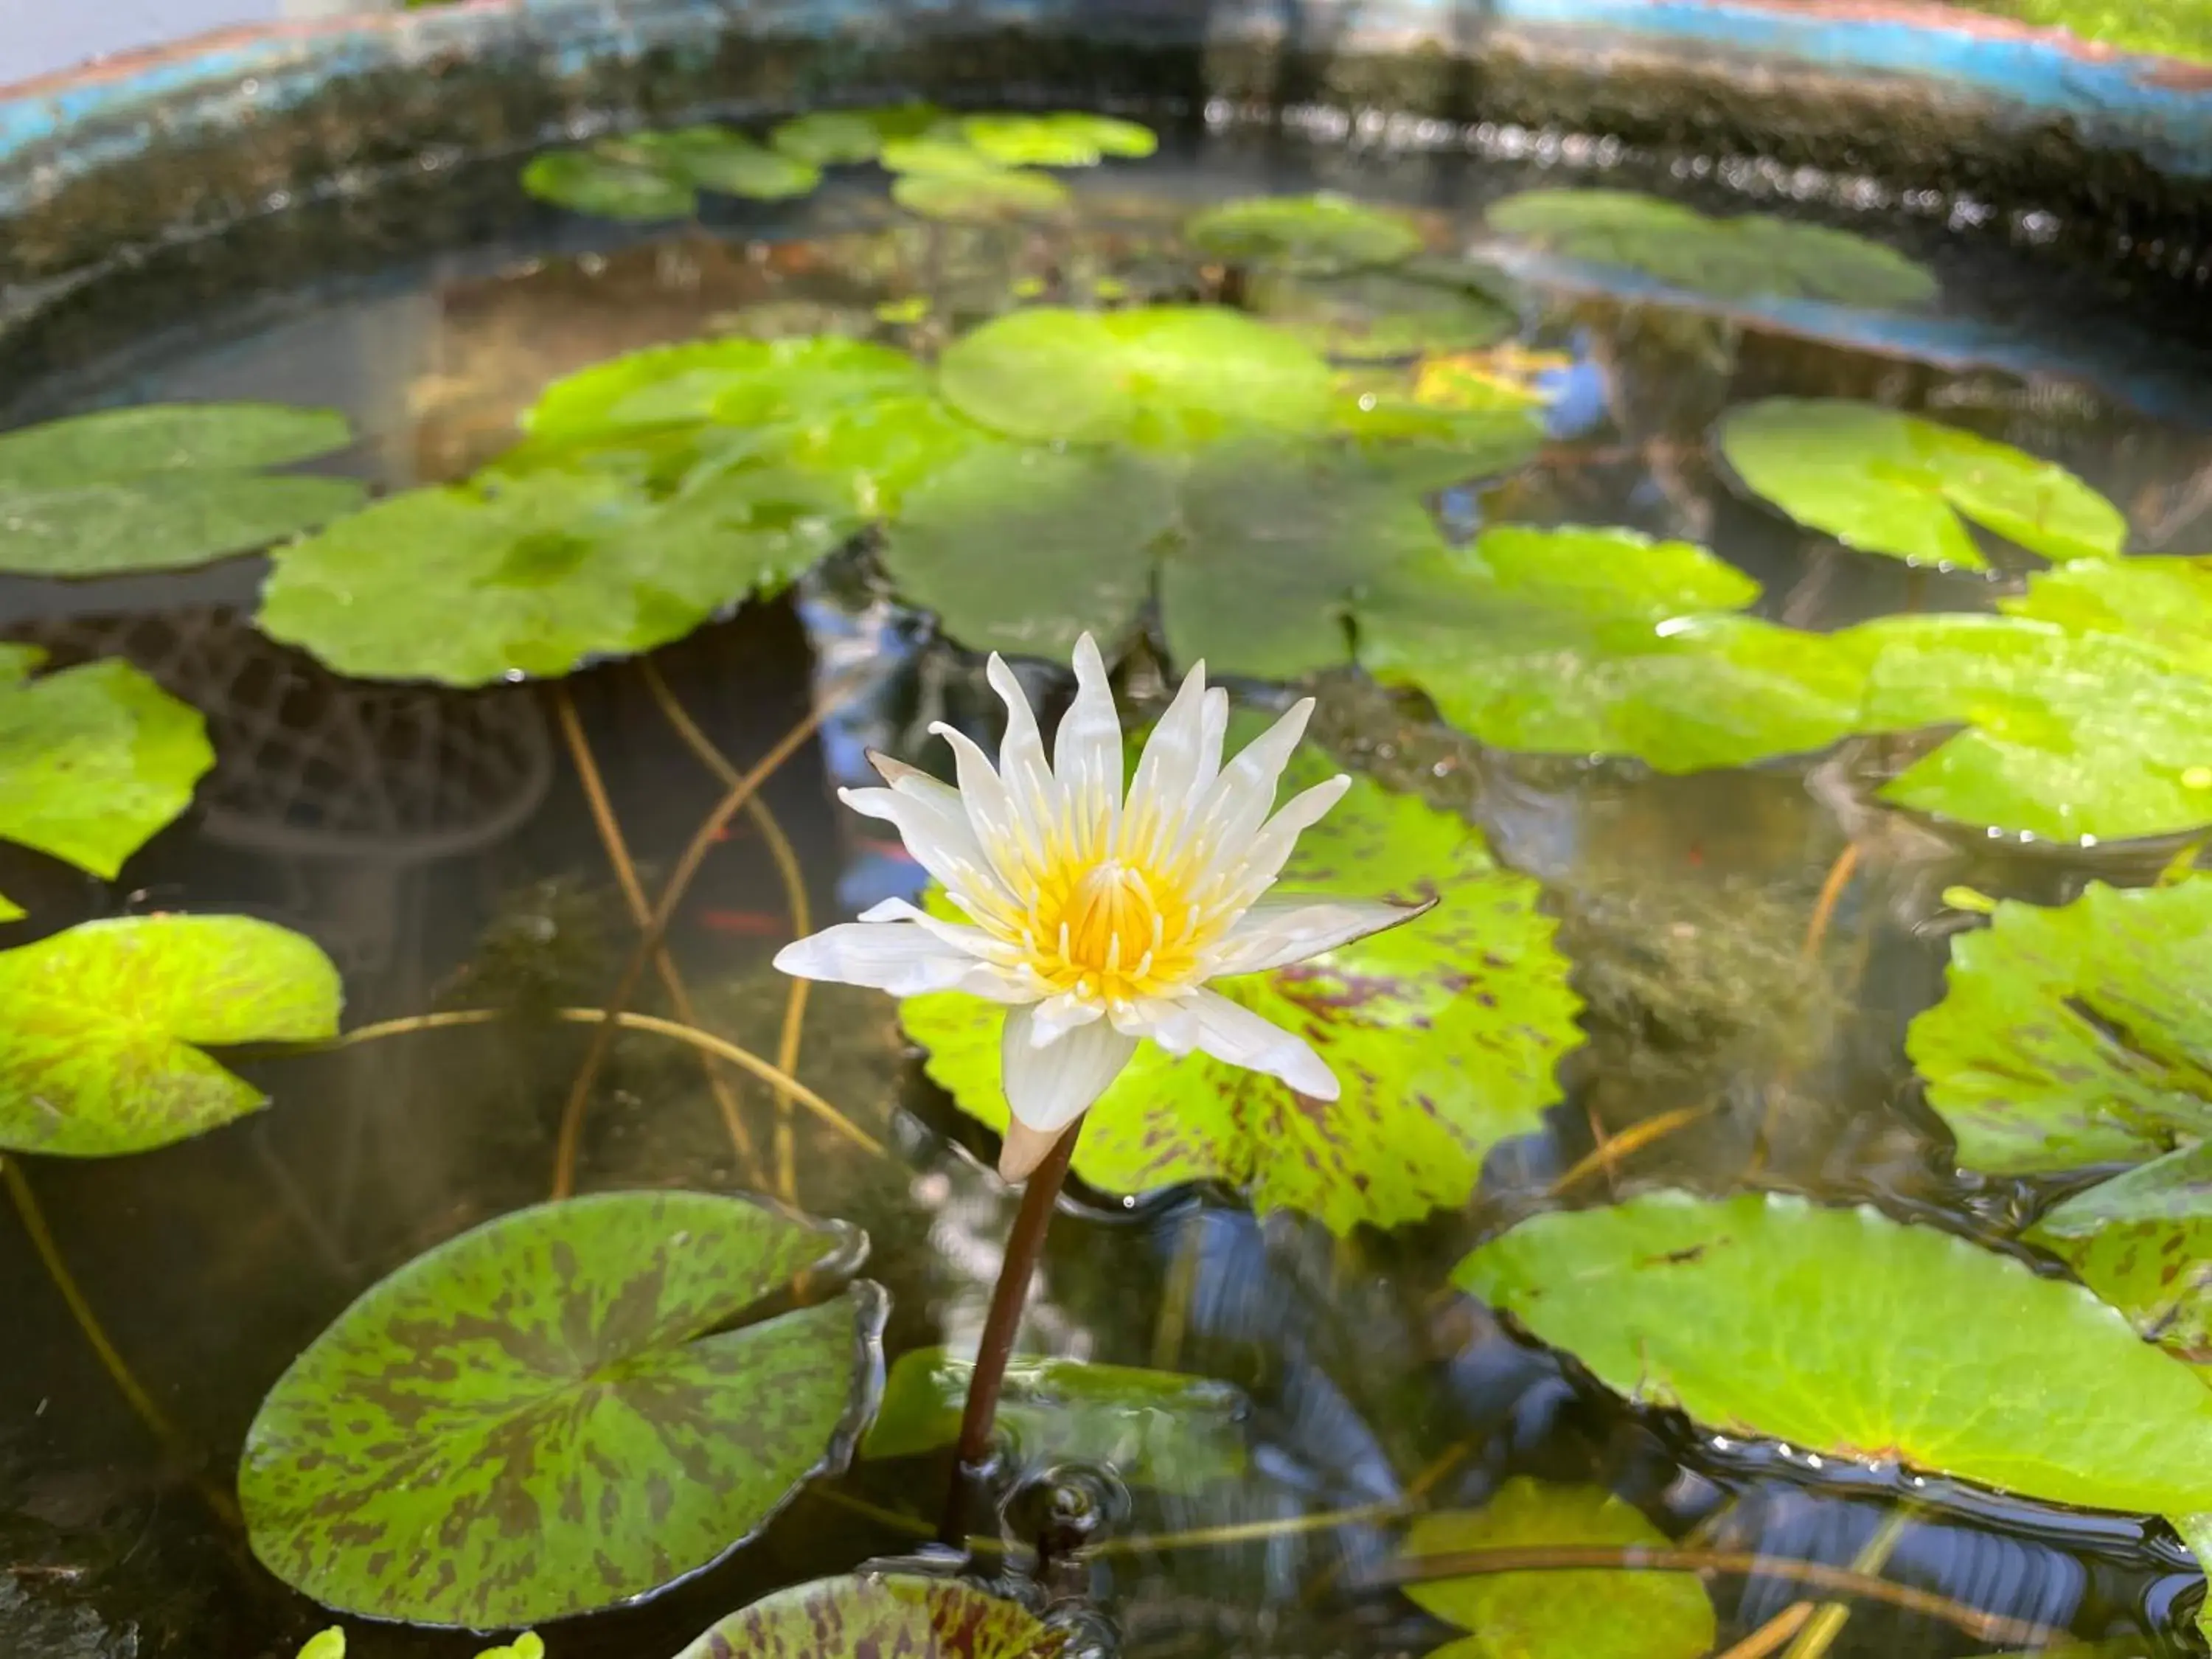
<point x="1319" y="235"/>
<point x="1163" y="375"/>
<point x="608" y="186"/>
<point x="100" y="1053"/>
<point x="881" y="1613"/>
<point x="2142" y="1242"/>
<point x="1746" y="256"/>
<point x="1902" y="1343"/>
<point x="2075" y="1034"/>
<point x="1579" y="641"/>
<point x="163" y="487"/>
<point x="1889" y="483"/>
<point x="1153" y="1428"/>
<point x="986" y="196"/>
<point x="535" y="575"/>
<point x="1611" y="1613"/>
<point x="1373" y="316"/>
<point x="1444" y="1034"/>
<point x="552" y="1413"/>
<point x="716" y="159"/>
<point x="94" y="759"/>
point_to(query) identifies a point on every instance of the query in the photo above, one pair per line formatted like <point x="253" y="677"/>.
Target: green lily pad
<point x="11" y="911"/>
<point x="1600" y="1615"/>
<point x="1155" y="1429"/>
<point x="1748" y="257"/>
<point x="100" y="1053"/>
<point x="1375" y="316"/>
<point x="2142" y="1242"/>
<point x="608" y="186"/>
<point x="829" y="138"/>
<point x="1444" y="1034"/>
<point x="1065" y="140"/>
<point x="1320" y="235"/>
<point x="163" y="487"/>
<point x="551" y="1413"/>
<point x="986" y="196"/>
<point x="92" y="760"/>
<point x="1163" y="375"/>
<point x="1902" y="1343"/>
<point x="1577" y="642"/>
<point x="536" y="575"/>
<point x="2075" y="1035"/>
<point x="716" y="159"/>
<point x="1887" y="482"/>
<point x="2158" y="601"/>
<point x="882" y="1615"/>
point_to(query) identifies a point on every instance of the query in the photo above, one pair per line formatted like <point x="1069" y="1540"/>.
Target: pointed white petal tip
<point x="891" y="769"/>
<point x="1024" y="1148"/>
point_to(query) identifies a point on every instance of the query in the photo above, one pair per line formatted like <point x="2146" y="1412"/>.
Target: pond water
<point x="1747" y="942"/>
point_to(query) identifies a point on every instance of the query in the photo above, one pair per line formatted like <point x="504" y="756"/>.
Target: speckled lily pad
<point x="872" y="1615"/>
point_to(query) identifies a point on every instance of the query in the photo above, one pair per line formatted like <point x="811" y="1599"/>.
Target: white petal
<point x="1249" y="868"/>
<point x="1022" y="765"/>
<point x="1238" y="802"/>
<point x="1048" y="1088"/>
<point x="1210" y="746"/>
<point x="1276" y="932"/>
<point x="971" y="941"/>
<point x="990" y="808"/>
<point x="1160" y="793"/>
<point x="1211" y="1023"/>
<point x="1056" y="1015"/>
<point x="935" y="827"/>
<point x="896" y="957"/>
<point x="1086" y="755"/>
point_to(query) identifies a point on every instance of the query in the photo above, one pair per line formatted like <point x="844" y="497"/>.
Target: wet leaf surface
<point x="608" y="186"/>
<point x="874" y="1614"/>
<point x="2075" y="1034"/>
<point x="1614" y="1615"/>
<point x="1307" y="235"/>
<point x="1745" y="257"/>
<point x="549" y="1414"/>
<point x="1901" y="1343"/>
<point x="163" y="487"/>
<point x="94" y="759"/>
<point x="101" y="1053"/>
<point x="1154" y="1429"/>
<point x="1887" y="482"/>
<point x="1444" y="1034"/>
<point x="2142" y="1242"/>
<point x="1374" y="316"/>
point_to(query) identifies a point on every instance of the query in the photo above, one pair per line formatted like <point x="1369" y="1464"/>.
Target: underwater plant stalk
<point x="1024" y="1244"/>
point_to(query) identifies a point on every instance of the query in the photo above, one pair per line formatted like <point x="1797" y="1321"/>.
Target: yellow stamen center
<point x="1110" y="929"/>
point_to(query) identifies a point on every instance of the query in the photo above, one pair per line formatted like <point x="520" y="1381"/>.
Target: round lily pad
<point x="1746" y="256"/>
<point x="827" y="137"/>
<point x="609" y="186"/>
<point x="2075" y="1035"/>
<point x="716" y="159"/>
<point x="2161" y="602"/>
<point x="1153" y="1428"/>
<point x="1163" y="375"/>
<point x="1375" y="316"/>
<point x="2142" y="1242"/>
<point x="1065" y="140"/>
<point x="537" y="575"/>
<point x="100" y="1053"/>
<point x="559" y="1412"/>
<point x="1307" y="235"/>
<point x="1605" y="1614"/>
<point x="1892" y="484"/>
<point x="163" y="487"/>
<point x="874" y="1614"/>
<point x="94" y="759"/>
<point x="1577" y="642"/>
<point x="1903" y="1344"/>
<point x="1444" y="1034"/>
<point x="985" y="196"/>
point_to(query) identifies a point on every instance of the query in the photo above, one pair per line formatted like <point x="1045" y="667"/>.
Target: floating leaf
<point x="827" y="137"/>
<point x="716" y="159"/>
<point x="1372" y="316"/>
<point x="2075" y="1035"/>
<point x="2142" y="1242"/>
<point x="1154" y="1429"/>
<point x="1167" y="375"/>
<point x="1310" y="235"/>
<point x="2161" y="602"/>
<point x="1444" y="1034"/>
<point x="1887" y="482"/>
<point x="537" y="575"/>
<point x="1742" y="258"/>
<point x="1066" y="140"/>
<point x="608" y="186"/>
<point x="1576" y="641"/>
<point x="163" y="487"/>
<point x="1902" y="1343"/>
<point x="1603" y="1614"/>
<point x="550" y="1413"/>
<point x="100" y="1051"/>
<point x="881" y="1614"/>
<point x="983" y="197"/>
<point x="92" y="760"/>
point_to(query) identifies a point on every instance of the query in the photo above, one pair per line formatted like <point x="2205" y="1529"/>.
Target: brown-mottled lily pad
<point x="2143" y="1242"/>
<point x="869" y="1614"/>
<point x="1443" y="1033"/>
<point x="561" y="1410"/>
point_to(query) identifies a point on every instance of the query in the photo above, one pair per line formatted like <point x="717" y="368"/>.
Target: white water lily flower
<point x="1098" y="919"/>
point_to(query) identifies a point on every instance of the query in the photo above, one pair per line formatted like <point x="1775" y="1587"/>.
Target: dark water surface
<point x="440" y="847"/>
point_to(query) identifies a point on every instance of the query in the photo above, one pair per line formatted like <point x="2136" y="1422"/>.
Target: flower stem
<point x="1024" y="1244"/>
